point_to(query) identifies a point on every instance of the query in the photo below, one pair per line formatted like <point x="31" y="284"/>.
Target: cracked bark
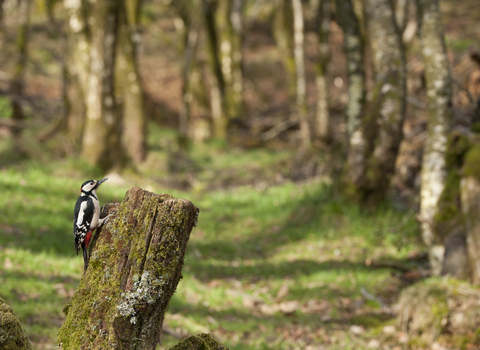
<point x="135" y="265"/>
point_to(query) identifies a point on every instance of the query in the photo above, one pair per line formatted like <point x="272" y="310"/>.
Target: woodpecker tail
<point x="85" y="257"/>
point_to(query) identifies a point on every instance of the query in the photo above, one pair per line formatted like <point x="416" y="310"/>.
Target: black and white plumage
<point x="87" y="216"/>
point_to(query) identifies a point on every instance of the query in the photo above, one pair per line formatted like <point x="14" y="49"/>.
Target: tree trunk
<point x="188" y="12"/>
<point x="230" y="50"/>
<point x="12" y="336"/>
<point x="283" y="34"/>
<point x="135" y="266"/>
<point x="301" y="86"/>
<point x="322" y="125"/>
<point x="101" y="144"/>
<point x="77" y="70"/>
<point x="216" y="78"/>
<point x="439" y="93"/>
<point x="129" y="85"/>
<point x="16" y="85"/>
<point x="356" y="76"/>
<point x="370" y="174"/>
<point x="236" y="23"/>
<point x="470" y="195"/>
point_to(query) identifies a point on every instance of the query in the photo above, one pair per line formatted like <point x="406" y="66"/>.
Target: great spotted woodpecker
<point x="87" y="216"/>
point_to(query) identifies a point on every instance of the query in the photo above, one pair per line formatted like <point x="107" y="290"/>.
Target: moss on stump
<point x="12" y="336"/>
<point x="134" y="268"/>
<point x="436" y="307"/>
<point x="202" y="341"/>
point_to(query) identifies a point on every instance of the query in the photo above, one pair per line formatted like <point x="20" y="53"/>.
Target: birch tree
<point x="301" y="83"/>
<point x="370" y="174"/>
<point x="439" y="94"/>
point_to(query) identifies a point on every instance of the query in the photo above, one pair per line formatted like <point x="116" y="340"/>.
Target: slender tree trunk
<point x="354" y="48"/>
<point x="354" y="51"/>
<point x="101" y="144"/>
<point x="188" y="12"/>
<point x="470" y="194"/>
<point x="298" y="39"/>
<point x="237" y="34"/>
<point x="129" y="84"/>
<point x="322" y="125"/>
<point x="439" y="94"/>
<point x="229" y="20"/>
<point x="217" y="80"/>
<point x="1" y="13"/>
<point x="77" y="69"/>
<point x="283" y="34"/>
<point x="16" y="85"/>
<point x="383" y="120"/>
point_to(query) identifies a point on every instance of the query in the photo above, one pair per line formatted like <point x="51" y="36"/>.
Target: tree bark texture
<point x="322" y="123"/>
<point x="283" y="34"/>
<point x="129" y="85"/>
<point x="216" y="78"/>
<point x="101" y="144"/>
<point x="77" y="69"/>
<point x="354" y="47"/>
<point x="229" y="21"/>
<point x="134" y="268"/>
<point x="16" y="85"/>
<point x="301" y="85"/>
<point x="382" y="124"/>
<point x="12" y="336"/>
<point x="188" y="12"/>
<point x="439" y="93"/>
<point x="470" y="196"/>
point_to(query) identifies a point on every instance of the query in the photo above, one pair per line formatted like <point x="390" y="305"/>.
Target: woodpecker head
<point x="91" y="186"/>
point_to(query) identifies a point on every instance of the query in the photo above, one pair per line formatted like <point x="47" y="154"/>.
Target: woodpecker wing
<point x="83" y="215"/>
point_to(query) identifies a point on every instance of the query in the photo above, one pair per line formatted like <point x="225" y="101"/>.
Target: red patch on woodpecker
<point x="87" y="238"/>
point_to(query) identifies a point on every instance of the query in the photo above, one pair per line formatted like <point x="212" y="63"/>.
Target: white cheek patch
<point x="88" y="187"/>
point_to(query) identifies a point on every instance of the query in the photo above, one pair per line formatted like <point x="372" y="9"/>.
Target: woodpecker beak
<point x="101" y="181"/>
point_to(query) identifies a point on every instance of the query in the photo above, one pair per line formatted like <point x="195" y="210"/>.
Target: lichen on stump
<point x="134" y="268"/>
<point x="12" y="336"/>
<point x="202" y="341"/>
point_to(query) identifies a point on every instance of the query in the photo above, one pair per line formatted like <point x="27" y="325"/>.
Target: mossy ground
<point x="262" y="245"/>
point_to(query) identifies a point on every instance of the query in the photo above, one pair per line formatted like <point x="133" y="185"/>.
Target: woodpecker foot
<point x="104" y="220"/>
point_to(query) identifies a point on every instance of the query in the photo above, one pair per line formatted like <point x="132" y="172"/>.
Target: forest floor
<point x="278" y="260"/>
<point x="273" y="264"/>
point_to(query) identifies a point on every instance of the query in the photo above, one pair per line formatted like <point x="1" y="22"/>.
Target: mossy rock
<point x="12" y="336"/>
<point x="202" y="341"/>
<point x="438" y="307"/>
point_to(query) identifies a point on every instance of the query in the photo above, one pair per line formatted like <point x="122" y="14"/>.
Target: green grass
<point x="256" y="249"/>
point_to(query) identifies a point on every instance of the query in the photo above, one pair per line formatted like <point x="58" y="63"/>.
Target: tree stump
<point x="134" y="268"/>
<point x="12" y="336"/>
